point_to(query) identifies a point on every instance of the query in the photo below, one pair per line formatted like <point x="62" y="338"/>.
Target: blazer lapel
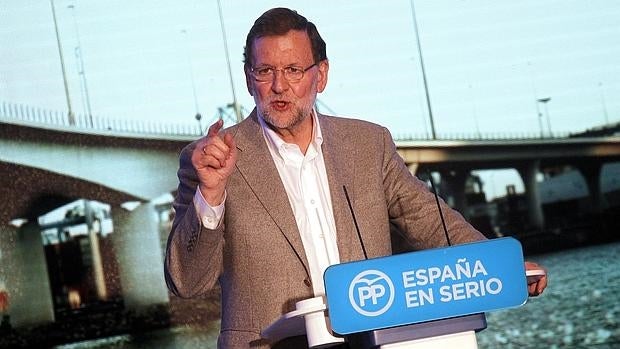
<point x="257" y="168"/>
<point x="340" y="171"/>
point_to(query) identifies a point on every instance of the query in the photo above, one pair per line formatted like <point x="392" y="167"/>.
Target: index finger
<point x="215" y="128"/>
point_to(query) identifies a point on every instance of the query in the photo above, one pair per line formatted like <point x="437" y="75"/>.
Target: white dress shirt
<point x="305" y="180"/>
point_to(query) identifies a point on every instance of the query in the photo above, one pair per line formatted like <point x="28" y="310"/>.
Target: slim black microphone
<point x="357" y="228"/>
<point x="443" y="221"/>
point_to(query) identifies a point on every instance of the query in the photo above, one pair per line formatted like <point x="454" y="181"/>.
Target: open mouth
<point x="280" y="105"/>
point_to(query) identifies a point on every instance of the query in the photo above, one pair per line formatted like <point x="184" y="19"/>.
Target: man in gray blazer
<point x="261" y="206"/>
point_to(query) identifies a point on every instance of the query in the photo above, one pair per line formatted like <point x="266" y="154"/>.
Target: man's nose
<point x="279" y="83"/>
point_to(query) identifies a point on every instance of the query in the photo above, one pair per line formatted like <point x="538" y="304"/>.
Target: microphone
<point x="443" y="221"/>
<point x="357" y="228"/>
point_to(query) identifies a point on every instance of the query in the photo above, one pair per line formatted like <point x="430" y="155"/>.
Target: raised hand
<point x="214" y="159"/>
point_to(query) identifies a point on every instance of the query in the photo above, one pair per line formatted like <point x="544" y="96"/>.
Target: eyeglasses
<point x="291" y="73"/>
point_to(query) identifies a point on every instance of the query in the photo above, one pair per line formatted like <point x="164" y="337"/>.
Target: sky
<point x="486" y="62"/>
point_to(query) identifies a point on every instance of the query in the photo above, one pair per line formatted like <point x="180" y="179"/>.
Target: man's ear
<point x="323" y="73"/>
<point x="249" y="81"/>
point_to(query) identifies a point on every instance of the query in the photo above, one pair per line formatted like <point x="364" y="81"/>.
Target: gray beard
<point x="299" y="115"/>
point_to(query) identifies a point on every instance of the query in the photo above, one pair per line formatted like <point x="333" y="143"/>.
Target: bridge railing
<point x="487" y="136"/>
<point x="46" y="117"/>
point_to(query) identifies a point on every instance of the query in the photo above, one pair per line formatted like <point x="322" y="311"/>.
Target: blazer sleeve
<point x="194" y="254"/>
<point x="412" y="207"/>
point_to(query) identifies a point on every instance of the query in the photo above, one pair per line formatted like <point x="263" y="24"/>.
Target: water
<point x="173" y="338"/>
<point x="579" y="309"/>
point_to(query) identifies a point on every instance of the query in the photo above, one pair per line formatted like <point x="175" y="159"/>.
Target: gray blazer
<point x="257" y="255"/>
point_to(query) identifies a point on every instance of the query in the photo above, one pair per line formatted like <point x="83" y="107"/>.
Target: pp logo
<point x="371" y="293"/>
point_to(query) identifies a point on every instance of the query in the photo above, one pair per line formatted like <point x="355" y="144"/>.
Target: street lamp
<point x="198" y="118"/>
<point x="428" y="97"/>
<point x="235" y="105"/>
<point x="538" y="113"/>
<point x="540" y="123"/>
<point x="545" y="101"/>
<point x="191" y="76"/>
<point x="600" y="86"/>
<point x="70" y="115"/>
<point x="473" y="98"/>
<point x="82" y="71"/>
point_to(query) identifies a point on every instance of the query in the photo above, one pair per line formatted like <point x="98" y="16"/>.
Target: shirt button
<point x="312" y="201"/>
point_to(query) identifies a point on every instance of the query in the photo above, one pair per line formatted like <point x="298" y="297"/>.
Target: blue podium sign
<point x="426" y="285"/>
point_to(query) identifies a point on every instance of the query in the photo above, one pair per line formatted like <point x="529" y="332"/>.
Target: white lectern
<point x="309" y="319"/>
<point x="432" y="299"/>
<point x="459" y="332"/>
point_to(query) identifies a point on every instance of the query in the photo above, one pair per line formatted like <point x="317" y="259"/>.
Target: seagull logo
<point x="371" y="293"/>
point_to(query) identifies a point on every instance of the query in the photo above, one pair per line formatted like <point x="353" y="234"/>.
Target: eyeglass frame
<point x="283" y="70"/>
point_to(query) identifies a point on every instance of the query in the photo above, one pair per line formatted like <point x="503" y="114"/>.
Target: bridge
<point x="47" y="164"/>
<point x="456" y="159"/>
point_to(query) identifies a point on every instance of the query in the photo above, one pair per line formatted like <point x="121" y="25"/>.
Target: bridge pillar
<point x="140" y="256"/>
<point x="94" y="227"/>
<point x="455" y="182"/>
<point x="591" y="172"/>
<point x="528" y="175"/>
<point x="23" y="269"/>
<point x="413" y="167"/>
